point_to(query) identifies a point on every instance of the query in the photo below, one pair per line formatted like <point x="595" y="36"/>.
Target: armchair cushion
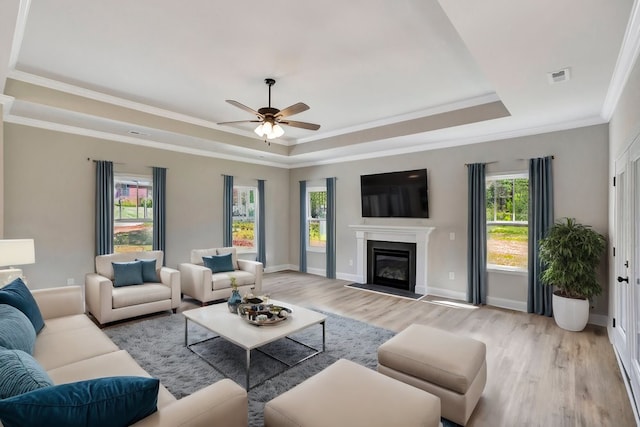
<point x="111" y="401"/>
<point x="20" y="373"/>
<point x="18" y="295"/>
<point x="127" y="273"/>
<point x="149" y="271"/>
<point x="218" y="263"/>
<point x="16" y="331"/>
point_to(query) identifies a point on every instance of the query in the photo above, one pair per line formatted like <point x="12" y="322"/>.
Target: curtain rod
<point x="498" y="161"/>
<point x="119" y="163"/>
<point x="257" y="179"/>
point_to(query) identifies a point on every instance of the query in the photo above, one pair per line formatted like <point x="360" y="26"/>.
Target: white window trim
<point x="313" y="189"/>
<point x="505" y="268"/>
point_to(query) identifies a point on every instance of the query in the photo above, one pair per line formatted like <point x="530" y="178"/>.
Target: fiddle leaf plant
<point x="571" y="253"/>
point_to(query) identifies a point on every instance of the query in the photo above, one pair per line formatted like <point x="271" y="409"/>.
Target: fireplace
<point x="392" y="264"/>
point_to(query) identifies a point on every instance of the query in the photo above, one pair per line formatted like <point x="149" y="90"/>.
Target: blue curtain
<point x="262" y="248"/>
<point x="331" y="228"/>
<point x="477" y="236"/>
<point x="303" y="227"/>
<point x="159" y="209"/>
<point x="540" y="219"/>
<point x="104" y="207"/>
<point x="227" y="216"/>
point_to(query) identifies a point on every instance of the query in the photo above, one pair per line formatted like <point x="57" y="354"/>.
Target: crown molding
<point x="625" y="63"/>
<point x="125" y="103"/>
<point x="42" y="124"/>
<point x="455" y="141"/>
<point x="444" y="108"/>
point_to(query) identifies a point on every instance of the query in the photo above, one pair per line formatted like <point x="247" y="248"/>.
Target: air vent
<point x="559" y="76"/>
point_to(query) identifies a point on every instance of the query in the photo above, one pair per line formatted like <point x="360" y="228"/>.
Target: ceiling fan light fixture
<point x="276" y="132"/>
<point x="259" y="130"/>
<point x="267" y="127"/>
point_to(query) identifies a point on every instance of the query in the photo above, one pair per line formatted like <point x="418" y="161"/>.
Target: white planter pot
<point x="569" y="313"/>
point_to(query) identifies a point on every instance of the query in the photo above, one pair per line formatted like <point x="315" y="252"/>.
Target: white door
<point x="634" y="268"/>
<point x="621" y="287"/>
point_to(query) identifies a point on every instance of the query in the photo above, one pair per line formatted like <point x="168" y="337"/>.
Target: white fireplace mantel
<point x="391" y="233"/>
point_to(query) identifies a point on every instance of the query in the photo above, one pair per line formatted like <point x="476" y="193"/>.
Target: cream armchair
<point x="108" y="303"/>
<point x="201" y="283"/>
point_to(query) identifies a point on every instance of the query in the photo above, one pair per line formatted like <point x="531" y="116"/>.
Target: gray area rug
<point x="157" y="344"/>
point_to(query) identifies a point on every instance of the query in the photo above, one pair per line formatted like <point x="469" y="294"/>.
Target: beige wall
<point x="580" y="176"/>
<point x="49" y="195"/>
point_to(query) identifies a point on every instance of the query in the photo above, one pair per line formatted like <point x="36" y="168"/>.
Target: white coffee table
<point x="218" y="320"/>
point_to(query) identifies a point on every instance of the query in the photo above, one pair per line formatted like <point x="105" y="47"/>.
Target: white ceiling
<point x="380" y="76"/>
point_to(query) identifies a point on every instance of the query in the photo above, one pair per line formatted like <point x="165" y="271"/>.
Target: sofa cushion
<point x="113" y="364"/>
<point x="16" y="330"/>
<point x="53" y="350"/>
<point x="127" y="273"/>
<point x="223" y="280"/>
<point x="103" y="262"/>
<point x="111" y="401"/>
<point x="20" y="373"/>
<point x="149" y="270"/>
<point x="218" y="263"/>
<point x="18" y="295"/>
<point x="133" y="295"/>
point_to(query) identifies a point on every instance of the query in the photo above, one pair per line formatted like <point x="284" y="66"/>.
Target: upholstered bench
<point x="452" y="367"/>
<point x="348" y="394"/>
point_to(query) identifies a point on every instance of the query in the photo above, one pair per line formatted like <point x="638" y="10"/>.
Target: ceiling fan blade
<point x="303" y="125"/>
<point x="293" y="109"/>
<point x="244" y="107"/>
<point x="240" y="121"/>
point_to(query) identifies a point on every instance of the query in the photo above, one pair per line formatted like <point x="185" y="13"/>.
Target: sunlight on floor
<point x="452" y="304"/>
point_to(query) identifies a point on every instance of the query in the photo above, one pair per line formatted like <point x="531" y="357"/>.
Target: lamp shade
<point x="17" y="252"/>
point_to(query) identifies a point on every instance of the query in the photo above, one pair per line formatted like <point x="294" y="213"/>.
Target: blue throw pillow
<point x="18" y="295"/>
<point x="218" y="263"/>
<point x="20" y="373"/>
<point x="127" y="273"/>
<point x="16" y="331"/>
<point x="149" y="273"/>
<point x="102" y="402"/>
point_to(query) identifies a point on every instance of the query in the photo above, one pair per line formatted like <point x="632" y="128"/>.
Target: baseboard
<point x="283" y="267"/>
<point x="599" y="319"/>
<point x="446" y="293"/>
<point x="507" y="303"/>
<point x="348" y="277"/>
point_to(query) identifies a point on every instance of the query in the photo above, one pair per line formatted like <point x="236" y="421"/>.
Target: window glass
<point x="316" y="218"/>
<point x="507" y="203"/>
<point x="245" y="201"/>
<point x="133" y="213"/>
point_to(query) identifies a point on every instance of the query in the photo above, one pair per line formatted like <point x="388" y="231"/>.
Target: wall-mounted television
<point x="395" y="194"/>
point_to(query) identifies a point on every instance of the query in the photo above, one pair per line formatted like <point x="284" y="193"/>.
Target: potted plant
<point x="571" y="253"/>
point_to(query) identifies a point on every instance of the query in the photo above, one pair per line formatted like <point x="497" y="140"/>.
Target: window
<point x="133" y="213"/>
<point x="316" y="218"/>
<point x="507" y="221"/>
<point x="245" y="202"/>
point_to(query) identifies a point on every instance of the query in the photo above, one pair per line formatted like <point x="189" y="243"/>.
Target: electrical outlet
<point x="452" y="275"/>
<point x="452" y="236"/>
<point x="71" y="281"/>
<point x="350" y="263"/>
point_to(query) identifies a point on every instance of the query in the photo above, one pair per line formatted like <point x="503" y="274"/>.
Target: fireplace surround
<point x="391" y="233"/>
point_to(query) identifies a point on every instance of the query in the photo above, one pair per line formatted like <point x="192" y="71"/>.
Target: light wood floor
<point x="538" y="374"/>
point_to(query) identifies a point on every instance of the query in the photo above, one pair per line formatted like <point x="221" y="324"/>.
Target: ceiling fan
<point x="271" y="118"/>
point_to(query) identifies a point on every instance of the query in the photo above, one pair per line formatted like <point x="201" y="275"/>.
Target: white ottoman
<point x="348" y="394"/>
<point x="451" y="366"/>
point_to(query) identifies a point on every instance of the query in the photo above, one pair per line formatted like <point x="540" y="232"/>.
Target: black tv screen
<point x="395" y="194"/>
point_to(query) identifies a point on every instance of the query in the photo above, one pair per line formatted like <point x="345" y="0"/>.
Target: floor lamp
<point x="15" y="252"/>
